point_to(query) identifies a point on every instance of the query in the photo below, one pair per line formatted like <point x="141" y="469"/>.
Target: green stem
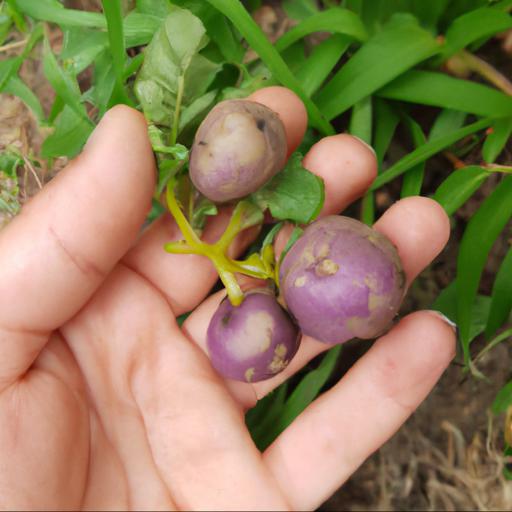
<point x="186" y="229"/>
<point x="244" y="215"/>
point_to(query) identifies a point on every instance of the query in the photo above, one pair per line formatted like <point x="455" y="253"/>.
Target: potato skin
<point x="253" y="341"/>
<point x="342" y="280"/>
<point x="238" y="147"/>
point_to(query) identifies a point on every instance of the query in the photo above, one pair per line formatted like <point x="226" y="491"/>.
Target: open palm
<point x="105" y="403"/>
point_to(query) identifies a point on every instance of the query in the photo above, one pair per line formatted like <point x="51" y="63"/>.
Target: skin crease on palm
<point x="106" y="404"/>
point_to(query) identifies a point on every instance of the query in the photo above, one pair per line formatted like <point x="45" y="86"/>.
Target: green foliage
<point x="459" y="186"/>
<point x="335" y="20"/>
<point x="276" y="411"/>
<point x="440" y="90"/>
<point x="10" y="160"/>
<point x="496" y="140"/>
<point x="503" y="399"/>
<point x="501" y="298"/>
<point x="293" y="194"/>
<point x="479" y="236"/>
<point x="173" y="72"/>
<point x="399" y="46"/>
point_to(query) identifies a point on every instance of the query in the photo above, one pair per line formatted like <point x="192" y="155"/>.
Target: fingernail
<point x="447" y="320"/>
<point x="365" y="144"/>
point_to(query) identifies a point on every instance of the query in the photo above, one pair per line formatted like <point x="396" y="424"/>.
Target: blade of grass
<point x="313" y="72"/>
<point x="386" y="121"/>
<point x="308" y="389"/>
<point x="335" y="21"/>
<point x="113" y="14"/>
<point x="413" y="180"/>
<point x="459" y="186"/>
<point x="479" y="236"/>
<point x="138" y="28"/>
<point x="10" y="67"/>
<point x="16" y="87"/>
<point x="46" y="10"/>
<point x="472" y="26"/>
<point x="262" y="419"/>
<point x="446" y="122"/>
<point x="497" y="139"/>
<point x="361" y="126"/>
<point x="440" y="90"/>
<point x="382" y="58"/>
<point x="501" y="297"/>
<point x="426" y="151"/>
<point x="63" y="84"/>
<point x="503" y="399"/>
<point x="241" y="19"/>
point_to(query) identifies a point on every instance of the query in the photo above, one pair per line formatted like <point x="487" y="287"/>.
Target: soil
<point x="448" y="456"/>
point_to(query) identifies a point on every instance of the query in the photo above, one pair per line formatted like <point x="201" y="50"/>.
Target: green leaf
<point x="497" y="139"/>
<point x="5" y="26"/>
<point x="386" y="121"/>
<point x="293" y="194"/>
<point x="64" y="85"/>
<point x="446" y="122"/>
<point x="426" y="151"/>
<point x="202" y="210"/>
<point x="48" y="10"/>
<point x="262" y="419"/>
<point x="501" y="298"/>
<point x="472" y="26"/>
<point x="503" y="399"/>
<point x="113" y="14"/>
<point x="103" y="83"/>
<point x="317" y="67"/>
<point x="159" y="8"/>
<point x="197" y="110"/>
<point x="459" y="186"/>
<point x="18" y="88"/>
<point x="479" y="236"/>
<point x="10" y="67"/>
<point x="361" y="120"/>
<point x="440" y="90"/>
<point x="172" y="57"/>
<point x="140" y="28"/>
<point x="446" y="303"/>
<point x="361" y="126"/>
<point x="218" y="29"/>
<point x="308" y="388"/>
<point x="335" y="21"/>
<point x="388" y="54"/>
<point x="413" y="180"/>
<point x="81" y="49"/>
<point x="241" y="19"/>
<point x="70" y="135"/>
<point x="300" y="9"/>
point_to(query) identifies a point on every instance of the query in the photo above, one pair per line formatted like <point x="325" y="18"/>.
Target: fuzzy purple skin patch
<point x="253" y="341"/>
<point x="342" y="280"/>
<point x="239" y="146"/>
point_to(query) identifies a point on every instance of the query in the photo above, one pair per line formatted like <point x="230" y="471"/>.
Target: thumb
<point x="57" y="252"/>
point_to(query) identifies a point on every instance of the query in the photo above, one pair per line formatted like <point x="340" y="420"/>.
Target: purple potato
<point x="239" y="146"/>
<point x="253" y="341"/>
<point x="342" y="280"/>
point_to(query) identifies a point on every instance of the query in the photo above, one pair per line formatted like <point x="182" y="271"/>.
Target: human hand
<point x="105" y="403"/>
